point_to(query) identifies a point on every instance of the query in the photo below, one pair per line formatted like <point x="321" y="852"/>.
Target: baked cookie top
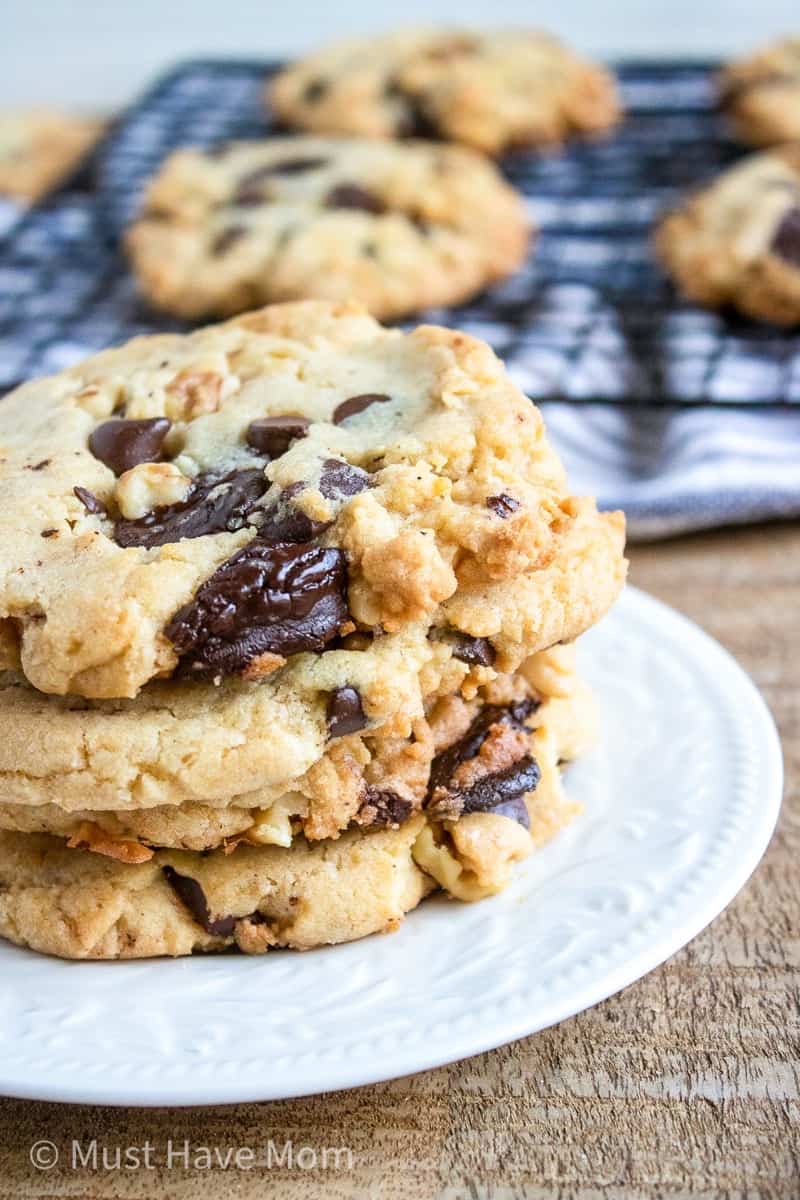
<point x="761" y="94"/>
<point x="397" y="227"/>
<point x="737" y="241"/>
<point x="491" y="90"/>
<point x="217" y="503"/>
<point x="38" y="147"/>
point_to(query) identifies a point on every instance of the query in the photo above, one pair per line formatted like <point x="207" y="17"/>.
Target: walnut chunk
<point x="198" y="390"/>
<point x="148" y="486"/>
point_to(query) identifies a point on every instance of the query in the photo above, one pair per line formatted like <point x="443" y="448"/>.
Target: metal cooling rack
<point x="589" y="317"/>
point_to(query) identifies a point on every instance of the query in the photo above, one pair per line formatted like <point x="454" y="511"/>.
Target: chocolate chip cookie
<point x="737" y="242"/>
<point x="398" y="228"/>
<point x="39" y="147"/>
<point x="493" y="795"/>
<point x="209" y="507"/>
<point x="490" y="90"/>
<point x="761" y="94"/>
<point x="195" y="768"/>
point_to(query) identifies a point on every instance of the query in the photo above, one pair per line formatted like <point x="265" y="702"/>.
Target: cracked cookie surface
<point x="223" y="503"/>
<point x="490" y="90"/>
<point x="737" y="242"/>
<point x="397" y="227"/>
<point x="761" y="94"/>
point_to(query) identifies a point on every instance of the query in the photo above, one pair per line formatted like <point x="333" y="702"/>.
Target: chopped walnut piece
<point x="150" y="485"/>
<point x="91" y="837"/>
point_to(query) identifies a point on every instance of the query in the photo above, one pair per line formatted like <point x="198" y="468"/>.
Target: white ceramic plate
<point x="680" y="802"/>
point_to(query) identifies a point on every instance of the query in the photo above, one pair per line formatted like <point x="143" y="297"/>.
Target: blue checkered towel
<point x="676" y="471"/>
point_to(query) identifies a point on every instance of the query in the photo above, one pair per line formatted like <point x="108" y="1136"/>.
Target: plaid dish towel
<point x="677" y="471"/>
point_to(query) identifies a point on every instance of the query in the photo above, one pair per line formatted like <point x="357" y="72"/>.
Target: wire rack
<point x="590" y="316"/>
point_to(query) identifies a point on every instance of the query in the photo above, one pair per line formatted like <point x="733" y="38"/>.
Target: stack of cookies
<point x="288" y="612"/>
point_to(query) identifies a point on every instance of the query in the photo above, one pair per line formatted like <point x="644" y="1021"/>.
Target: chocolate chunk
<point x="786" y="243"/>
<point x="216" y="504"/>
<point x="266" y="599"/>
<point x="504" y="506"/>
<point x="48" y="533"/>
<point x="315" y="90"/>
<point x="345" y="714"/>
<point x="380" y="809"/>
<point x="274" y="435"/>
<point x="286" y="166"/>
<point x="40" y="466"/>
<point x="515" y="809"/>
<point x="350" y="195"/>
<point x="249" y="197"/>
<point x="223" y="241"/>
<point x="357" y="404"/>
<point x="501" y="787"/>
<point x="338" y="478"/>
<point x="284" y="522"/>
<point x="477" y="651"/>
<point x="414" y="121"/>
<point x="447" y="761"/>
<point x="122" y="444"/>
<point x="192" y="895"/>
<point x="89" y="501"/>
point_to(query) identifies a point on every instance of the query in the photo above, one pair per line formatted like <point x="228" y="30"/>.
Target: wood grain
<point x="685" y="1084"/>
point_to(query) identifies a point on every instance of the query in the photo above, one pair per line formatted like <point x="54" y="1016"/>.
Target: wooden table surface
<point x="685" y="1084"/>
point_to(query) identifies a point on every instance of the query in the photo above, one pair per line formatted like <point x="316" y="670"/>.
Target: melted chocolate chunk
<point x="345" y="714"/>
<point x="786" y="243"/>
<point x="515" y="810"/>
<point x="477" y="651"/>
<point x="381" y="809"/>
<point x="229" y="237"/>
<point x="350" y="195"/>
<point x="504" y="506"/>
<point x="214" y="505"/>
<point x="48" y="533"/>
<point x="501" y="787"/>
<point x="446" y="763"/>
<point x="249" y="197"/>
<point x="284" y="522"/>
<point x="122" y="444"/>
<point x="414" y="120"/>
<point x="357" y="404"/>
<point x="286" y="166"/>
<point x="90" y="502"/>
<point x="338" y="478"/>
<point x="315" y="90"/>
<point x="192" y="895"/>
<point x="266" y="599"/>
<point x="273" y="435"/>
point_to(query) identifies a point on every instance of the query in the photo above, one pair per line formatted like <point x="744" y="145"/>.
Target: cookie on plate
<point x="761" y="94"/>
<point x="397" y="227"/>
<point x="193" y="767"/>
<point x="39" y="147"/>
<point x="737" y="242"/>
<point x="492" y="90"/>
<point x="494" y="795"/>
<point x="216" y="505"/>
